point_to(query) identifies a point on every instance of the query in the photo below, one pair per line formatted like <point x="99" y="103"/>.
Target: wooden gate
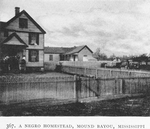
<point x="88" y="86"/>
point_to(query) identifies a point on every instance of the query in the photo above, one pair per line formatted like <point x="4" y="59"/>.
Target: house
<point x="22" y="36"/>
<point x="76" y="53"/>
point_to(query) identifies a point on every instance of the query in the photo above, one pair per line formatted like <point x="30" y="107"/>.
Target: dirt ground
<point x="135" y="106"/>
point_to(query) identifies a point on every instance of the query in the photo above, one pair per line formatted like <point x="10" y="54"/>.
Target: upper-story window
<point x="50" y="57"/>
<point x="23" y="23"/>
<point x="33" y="39"/>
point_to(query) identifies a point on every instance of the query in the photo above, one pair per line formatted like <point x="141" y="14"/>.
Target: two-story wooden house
<point x="23" y="36"/>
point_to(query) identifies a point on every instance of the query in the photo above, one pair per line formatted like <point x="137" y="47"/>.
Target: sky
<point x="120" y="27"/>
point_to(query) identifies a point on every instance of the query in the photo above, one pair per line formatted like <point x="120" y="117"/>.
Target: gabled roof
<point x="17" y="37"/>
<point x="65" y="50"/>
<point x="29" y="17"/>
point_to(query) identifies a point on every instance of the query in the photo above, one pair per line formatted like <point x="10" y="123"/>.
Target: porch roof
<point x="77" y="49"/>
<point x="14" y="39"/>
<point x="53" y="50"/>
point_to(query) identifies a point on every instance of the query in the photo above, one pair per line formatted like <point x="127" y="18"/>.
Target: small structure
<point x="77" y="53"/>
<point x="22" y="36"/>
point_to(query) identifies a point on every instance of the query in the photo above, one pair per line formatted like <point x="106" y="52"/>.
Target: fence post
<point x="96" y="74"/>
<point x="85" y="71"/>
<point x="98" y="87"/>
<point x="110" y="73"/>
<point x="75" y="84"/>
<point x="115" y="87"/>
<point x="121" y="84"/>
<point x="76" y="88"/>
<point x="129" y="73"/>
<point x="6" y="92"/>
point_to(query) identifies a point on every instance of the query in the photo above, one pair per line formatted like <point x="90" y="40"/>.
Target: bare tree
<point x="99" y="56"/>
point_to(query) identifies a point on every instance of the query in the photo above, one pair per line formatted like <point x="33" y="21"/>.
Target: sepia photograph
<point x="83" y="60"/>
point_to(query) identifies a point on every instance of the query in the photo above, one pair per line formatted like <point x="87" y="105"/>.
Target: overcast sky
<point x="121" y="27"/>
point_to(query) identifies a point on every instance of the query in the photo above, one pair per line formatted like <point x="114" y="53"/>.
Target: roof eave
<point x="10" y="37"/>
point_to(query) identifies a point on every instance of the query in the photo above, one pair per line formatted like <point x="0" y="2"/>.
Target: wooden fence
<point x="91" y="64"/>
<point x="104" y="72"/>
<point x="18" y="89"/>
<point x="92" y="87"/>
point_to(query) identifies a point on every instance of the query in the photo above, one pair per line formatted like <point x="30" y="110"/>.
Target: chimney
<point x="17" y="10"/>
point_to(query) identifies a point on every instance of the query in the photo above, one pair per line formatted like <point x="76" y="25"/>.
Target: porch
<point x="72" y="57"/>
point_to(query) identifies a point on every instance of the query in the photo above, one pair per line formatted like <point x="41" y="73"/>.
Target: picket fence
<point x="91" y="64"/>
<point x="104" y="72"/>
<point x="21" y="89"/>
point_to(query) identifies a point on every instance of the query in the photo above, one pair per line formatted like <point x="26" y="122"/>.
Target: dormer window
<point x="33" y="39"/>
<point x="23" y="23"/>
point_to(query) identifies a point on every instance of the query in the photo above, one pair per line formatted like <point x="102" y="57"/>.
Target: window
<point x="33" y="39"/>
<point x="33" y="55"/>
<point x="50" y="57"/>
<point x="61" y="57"/>
<point x="5" y="33"/>
<point x="85" y="58"/>
<point x="23" y="23"/>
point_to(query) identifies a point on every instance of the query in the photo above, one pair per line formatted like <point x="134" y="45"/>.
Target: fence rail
<point x="13" y="89"/>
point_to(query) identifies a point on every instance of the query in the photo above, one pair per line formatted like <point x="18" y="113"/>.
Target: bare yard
<point x="39" y="74"/>
<point x="137" y="106"/>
